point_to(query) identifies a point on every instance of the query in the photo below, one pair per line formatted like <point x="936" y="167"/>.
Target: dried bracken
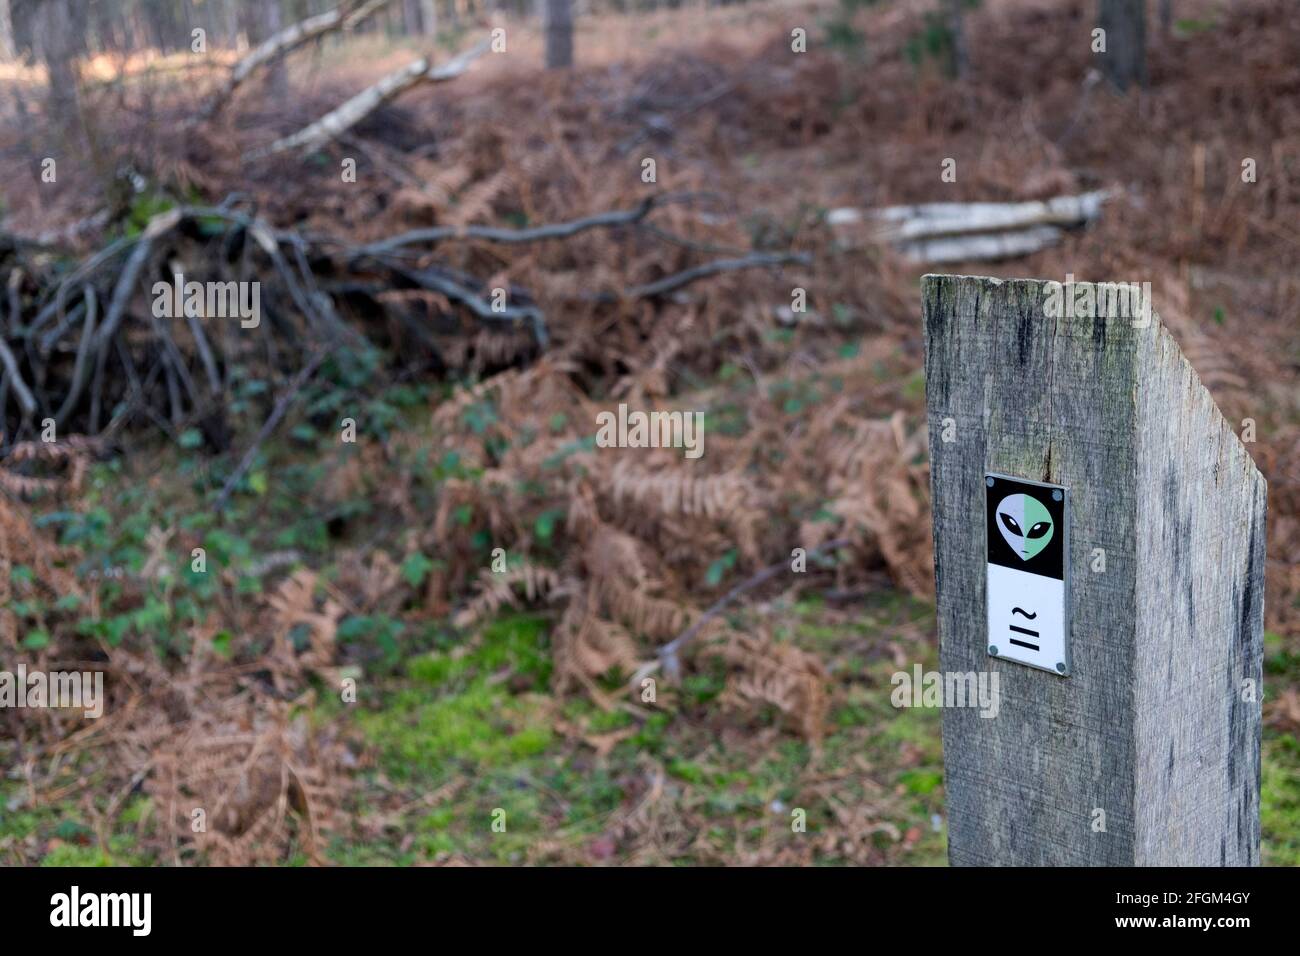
<point x="644" y="526"/>
<point x="21" y="545"/>
<point x="238" y="775"/>
<point x="781" y="675"/>
<point x="815" y="431"/>
<point x="304" y="633"/>
<point x="509" y="588"/>
<point x="52" y="467"/>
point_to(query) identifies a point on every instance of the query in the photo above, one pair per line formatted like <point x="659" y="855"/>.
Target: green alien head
<point x="1025" y="524"/>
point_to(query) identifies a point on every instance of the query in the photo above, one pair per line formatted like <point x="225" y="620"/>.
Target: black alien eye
<point x="1010" y="522"/>
<point x="1038" y="530"/>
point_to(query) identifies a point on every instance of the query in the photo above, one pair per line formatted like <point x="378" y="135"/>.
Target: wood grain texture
<point x="1152" y="727"/>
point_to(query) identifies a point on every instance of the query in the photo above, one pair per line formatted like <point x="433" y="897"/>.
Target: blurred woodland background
<point x="475" y="225"/>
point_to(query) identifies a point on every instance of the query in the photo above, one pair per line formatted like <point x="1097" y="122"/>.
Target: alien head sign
<point x="1027" y="533"/>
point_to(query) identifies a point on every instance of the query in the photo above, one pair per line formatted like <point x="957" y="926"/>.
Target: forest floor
<point x="496" y="725"/>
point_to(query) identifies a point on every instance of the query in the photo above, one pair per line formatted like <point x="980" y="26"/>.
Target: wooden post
<point x="1148" y="752"/>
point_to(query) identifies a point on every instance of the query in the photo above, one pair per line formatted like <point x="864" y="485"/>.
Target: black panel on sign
<point x="1025" y="526"/>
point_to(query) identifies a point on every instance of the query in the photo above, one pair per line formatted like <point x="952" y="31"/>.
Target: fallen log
<point x="279" y="45"/>
<point x="953" y="232"/>
<point x="343" y="118"/>
<point x="986" y="247"/>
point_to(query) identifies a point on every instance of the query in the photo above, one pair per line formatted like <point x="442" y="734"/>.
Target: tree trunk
<point x="266" y="21"/>
<point x="953" y="10"/>
<point x="429" y="17"/>
<point x="1125" y="22"/>
<point x="166" y="27"/>
<point x="8" y="51"/>
<point x="105" y="33"/>
<point x="557" y="18"/>
<point x="56" y="40"/>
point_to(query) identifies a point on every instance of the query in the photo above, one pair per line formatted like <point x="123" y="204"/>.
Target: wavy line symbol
<point x="1023" y="613"/>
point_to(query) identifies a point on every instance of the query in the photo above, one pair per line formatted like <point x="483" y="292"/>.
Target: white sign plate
<point x="1027" y="530"/>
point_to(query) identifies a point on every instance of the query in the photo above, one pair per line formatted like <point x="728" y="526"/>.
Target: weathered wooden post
<point x="1118" y="593"/>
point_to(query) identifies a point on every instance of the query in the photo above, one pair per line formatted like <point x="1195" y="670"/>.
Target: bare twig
<point x="175" y="363"/>
<point x="205" y="353"/>
<point x="669" y="654"/>
<point x="49" y="338"/>
<point x="15" y="380"/>
<point x="703" y="271"/>
<point x="80" y="370"/>
<point x="55" y="239"/>
<point x="281" y="408"/>
<point x="97" y="390"/>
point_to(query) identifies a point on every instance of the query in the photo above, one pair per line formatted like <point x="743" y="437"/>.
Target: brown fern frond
<point x="69" y="458"/>
<point x="678" y="492"/>
<point x="781" y="675"/>
<point x="503" y="589"/>
<point x="584" y="645"/>
<point x="475" y="203"/>
<point x="641" y="611"/>
<point x="293" y="612"/>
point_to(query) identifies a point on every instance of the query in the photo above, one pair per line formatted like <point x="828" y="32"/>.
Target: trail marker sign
<point x="1027" y="539"/>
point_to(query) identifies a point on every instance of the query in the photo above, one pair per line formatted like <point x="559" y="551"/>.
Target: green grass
<point x="454" y="737"/>
<point x="1280" y="773"/>
<point x="456" y="712"/>
<point x="476" y="726"/>
<point x="1280" y="801"/>
<point x="471" y="731"/>
<point x="59" y="829"/>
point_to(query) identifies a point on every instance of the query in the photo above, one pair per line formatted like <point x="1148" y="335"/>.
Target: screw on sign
<point x="1027" y="544"/>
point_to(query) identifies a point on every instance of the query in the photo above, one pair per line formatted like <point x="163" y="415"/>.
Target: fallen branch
<point x="280" y="44"/>
<point x="14" y="379"/>
<point x="340" y="120"/>
<point x="679" y="279"/>
<point x="559" y="230"/>
<point x="132" y="362"/>
<point x="81" y="369"/>
<point x="123" y="289"/>
<point x="56" y="305"/>
<point x="437" y="281"/>
<point x="60" y="238"/>
<point x="70" y="319"/>
<point x="159" y="225"/>
<point x="670" y="653"/>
